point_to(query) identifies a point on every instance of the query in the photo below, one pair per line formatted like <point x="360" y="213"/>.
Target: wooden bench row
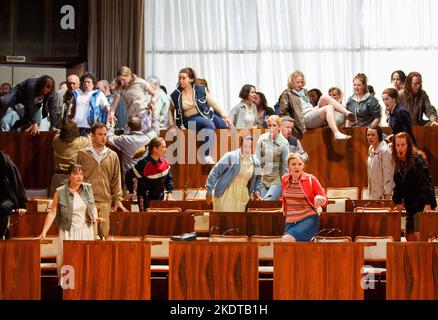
<point x="218" y="271"/>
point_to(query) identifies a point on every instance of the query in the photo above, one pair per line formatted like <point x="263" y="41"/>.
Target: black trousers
<point x="144" y="200"/>
<point x="6" y="206"/>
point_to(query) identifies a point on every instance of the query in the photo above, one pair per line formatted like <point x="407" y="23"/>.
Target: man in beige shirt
<point x="66" y="145"/>
<point x="101" y="169"/>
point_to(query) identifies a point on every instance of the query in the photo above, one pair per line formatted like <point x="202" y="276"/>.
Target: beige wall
<point x="16" y="75"/>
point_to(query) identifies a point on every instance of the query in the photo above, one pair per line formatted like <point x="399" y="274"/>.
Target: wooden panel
<point x="260" y="223"/>
<point x="412" y="271"/>
<point x="152" y="223"/>
<point x="213" y="271"/>
<point x="202" y="204"/>
<point x="362" y="224"/>
<point x="265" y="224"/>
<point x="32" y="155"/>
<point x="318" y="271"/>
<point x="335" y="163"/>
<point x="351" y="204"/>
<point x="20" y="270"/>
<point x="183" y="205"/>
<point x="428" y="225"/>
<point x="108" y="270"/>
<point x="30" y="225"/>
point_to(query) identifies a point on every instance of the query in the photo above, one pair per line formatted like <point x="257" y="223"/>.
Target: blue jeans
<point x="7" y="122"/>
<point x="303" y="230"/>
<point x="199" y="123"/>
<point x="271" y="194"/>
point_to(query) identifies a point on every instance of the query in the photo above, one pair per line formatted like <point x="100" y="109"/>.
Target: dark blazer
<point x="10" y="182"/>
<point x="24" y="93"/>
<point x="400" y="121"/>
<point x="413" y="187"/>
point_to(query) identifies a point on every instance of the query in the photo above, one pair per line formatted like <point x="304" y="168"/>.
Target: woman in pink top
<point x="303" y="197"/>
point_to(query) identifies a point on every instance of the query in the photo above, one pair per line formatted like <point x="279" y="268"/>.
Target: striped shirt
<point x="297" y="206"/>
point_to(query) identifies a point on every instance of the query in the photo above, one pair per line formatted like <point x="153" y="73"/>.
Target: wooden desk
<point x="151" y="223"/>
<point x="355" y="224"/>
<point x="318" y="271"/>
<point x="30" y="225"/>
<point x="351" y="204"/>
<point x="247" y="223"/>
<point x="184" y="205"/>
<point x="412" y="271"/>
<point x="108" y="270"/>
<point x="213" y="271"/>
<point x="202" y="204"/>
<point x="20" y="270"/>
<point x="428" y="225"/>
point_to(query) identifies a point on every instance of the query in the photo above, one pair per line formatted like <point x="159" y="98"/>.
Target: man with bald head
<point x="66" y="100"/>
<point x="130" y="142"/>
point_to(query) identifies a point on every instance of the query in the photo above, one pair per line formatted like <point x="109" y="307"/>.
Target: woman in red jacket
<point x="303" y="197"/>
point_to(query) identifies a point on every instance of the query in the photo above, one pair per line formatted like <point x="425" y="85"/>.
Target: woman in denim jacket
<point x="234" y="178"/>
<point x="73" y="209"/>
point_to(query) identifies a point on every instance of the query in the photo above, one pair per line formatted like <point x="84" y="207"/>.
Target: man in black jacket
<point x="36" y="94"/>
<point x="12" y="193"/>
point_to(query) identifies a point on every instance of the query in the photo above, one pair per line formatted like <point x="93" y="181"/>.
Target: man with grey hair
<point x="120" y="113"/>
<point x="287" y="129"/>
<point x="163" y="103"/>
<point x="66" y="100"/>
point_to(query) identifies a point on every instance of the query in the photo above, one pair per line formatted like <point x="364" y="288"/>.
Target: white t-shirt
<point x="83" y="107"/>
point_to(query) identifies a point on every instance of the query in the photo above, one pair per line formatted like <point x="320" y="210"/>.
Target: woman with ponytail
<point x="152" y="174"/>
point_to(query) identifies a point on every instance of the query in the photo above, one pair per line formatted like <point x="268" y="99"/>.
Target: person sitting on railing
<point x="364" y="106"/>
<point x="235" y="178"/>
<point x="192" y="107"/>
<point x="152" y="173"/>
<point x="244" y="114"/>
<point x="295" y="102"/>
<point x="302" y="197"/>
<point x="417" y="102"/>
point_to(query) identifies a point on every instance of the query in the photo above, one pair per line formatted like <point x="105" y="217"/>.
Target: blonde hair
<point x="294" y="76"/>
<point x="275" y="118"/>
<point x="293" y="156"/>
<point x="338" y="92"/>
<point x="126" y="72"/>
